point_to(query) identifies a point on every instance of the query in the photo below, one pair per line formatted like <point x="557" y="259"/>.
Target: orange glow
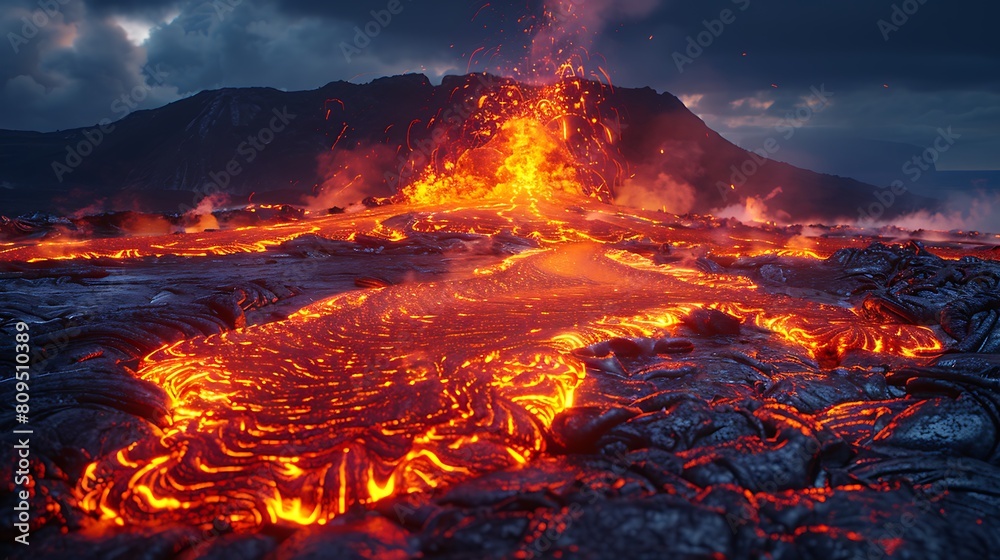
<point x="522" y="163"/>
<point x="378" y="491"/>
<point x="279" y="509"/>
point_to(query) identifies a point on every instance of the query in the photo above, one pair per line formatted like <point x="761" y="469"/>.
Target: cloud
<point x="979" y="212"/>
<point x="755" y="210"/>
<point x="564" y="35"/>
<point x="658" y="184"/>
<point x="70" y="73"/>
<point x="92" y="52"/>
<point x="662" y="192"/>
<point x="350" y="176"/>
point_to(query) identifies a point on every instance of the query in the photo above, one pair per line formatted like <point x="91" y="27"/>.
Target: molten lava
<point x="523" y="162"/>
<point x="413" y="387"/>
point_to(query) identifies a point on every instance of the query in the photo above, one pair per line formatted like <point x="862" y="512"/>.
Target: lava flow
<point x="418" y="386"/>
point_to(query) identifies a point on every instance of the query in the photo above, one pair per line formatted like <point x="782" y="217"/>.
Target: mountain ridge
<point x="162" y="159"/>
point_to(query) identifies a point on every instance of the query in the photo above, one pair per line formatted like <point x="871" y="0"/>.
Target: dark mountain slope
<point x="163" y="159"/>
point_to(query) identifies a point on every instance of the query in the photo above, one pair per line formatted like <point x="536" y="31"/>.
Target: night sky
<point x="894" y="82"/>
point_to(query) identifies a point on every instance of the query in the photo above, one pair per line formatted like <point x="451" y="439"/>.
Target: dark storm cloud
<point x="66" y="69"/>
<point x="941" y="66"/>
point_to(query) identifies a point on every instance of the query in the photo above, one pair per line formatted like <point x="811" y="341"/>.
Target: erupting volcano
<point x="497" y="360"/>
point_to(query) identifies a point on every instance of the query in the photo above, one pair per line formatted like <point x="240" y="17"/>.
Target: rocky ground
<point x="831" y="397"/>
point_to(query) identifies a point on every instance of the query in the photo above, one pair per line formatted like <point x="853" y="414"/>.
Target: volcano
<point x="166" y="159"/>
<point x="492" y="359"/>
